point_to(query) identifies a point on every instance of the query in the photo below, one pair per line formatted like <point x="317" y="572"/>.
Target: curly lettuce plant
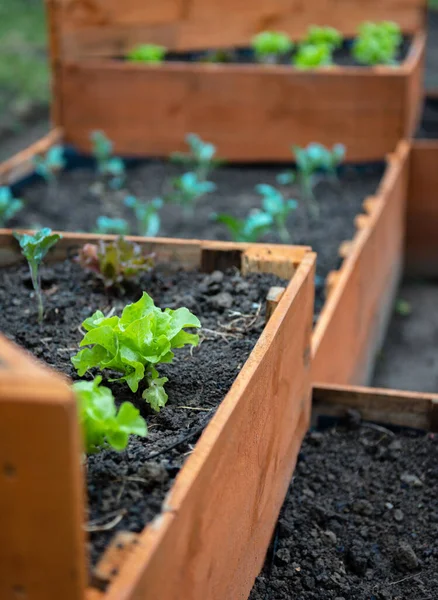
<point x="270" y="46"/>
<point x="147" y="53"/>
<point x="117" y="262"/>
<point x="34" y="248"/>
<point x="201" y="157"/>
<point x="312" y="56"/>
<point x="109" y="167"/>
<point x="9" y="206"/>
<point x="377" y="43"/>
<point x="250" y="230"/>
<point x="103" y="425"/>
<point x="105" y="225"/>
<point x="329" y="36"/>
<point x="135" y="343"/>
<point x="274" y="204"/>
<point x="147" y="215"/>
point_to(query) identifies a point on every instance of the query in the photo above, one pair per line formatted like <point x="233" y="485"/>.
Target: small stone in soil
<point x="411" y="480"/>
<point x="405" y="558"/>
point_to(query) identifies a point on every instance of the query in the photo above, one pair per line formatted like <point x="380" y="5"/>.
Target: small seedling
<point x="117" y="262"/>
<point x="106" y="225"/>
<point x="103" y="425"/>
<point x="34" y="248"/>
<point x="111" y="168"/>
<point x="312" y="56"/>
<point x="270" y="46"/>
<point x="187" y="190"/>
<point x="329" y="36"/>
<point x="9" y="206"/>
<point x="147" y="215"/>
<point x="274" y="204"/>
<point x="147" y="53"/>
<point x="50" y="165"/>
<point x="403" y="308"/>
<point x="201" y="158"/>
<point x="135" y="343"/>
<point x="377" y="43"/>
<point x="251" y="229"/>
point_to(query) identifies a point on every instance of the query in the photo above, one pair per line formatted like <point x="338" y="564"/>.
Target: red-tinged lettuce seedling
<point x="135" y="343"/>
<point x="275" y="204"/>
<point x="104" y="426"/>
<point x="250" y="230"/>
<point x="117" y="262"/>
<point x="312" y="56"/>
<point x="324" y="35"/>
<point x="270" y="46"/>
<point x="9" y="206"/>
<point x="147" y="53"/>
<point x="34" y="248"/>
<point x="147" y="215"/>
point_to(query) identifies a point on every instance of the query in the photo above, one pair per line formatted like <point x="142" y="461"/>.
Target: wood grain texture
<point x="367" y="109"/>
<point x="414" y="83"/>
<point x="110" y="28"/>
<point x="353" y="321"/>
<point x="422" y="210"/>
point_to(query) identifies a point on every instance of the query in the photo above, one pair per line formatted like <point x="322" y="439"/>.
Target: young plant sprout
<point x="377" y="43"/>
<point x="312" y="56"/>
<point x="9" y="206"/>
<point x="135" y="343"/>
<point x="34" y="248"/>
<point x="147" y="215"/>
<point x="147" y="53"/>
<point x="270" y="46"/>
<point x="117" y="262"/>
<point x="188" y="189"/>
<point x="103" y="426"/>
<point x="50" y="165"/>
<point x="251" y="230"/>
<point x="201" y="158"/>
<point x="329" y="36"/>
<point x="274" y="204"/>
<point x="111" y="168"/>
<point x="106" y="225"/>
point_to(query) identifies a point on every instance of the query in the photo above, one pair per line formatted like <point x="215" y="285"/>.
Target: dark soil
<point x="360" y="521"/>
<point x="431" y="75"/>
<point x="129" y="483"/>
<point x="409" y="360"/>
<point x="76" y="209"/>
<point x="428" y="127"/>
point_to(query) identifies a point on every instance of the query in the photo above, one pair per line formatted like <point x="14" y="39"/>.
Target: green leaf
<point x="155" y="394"/>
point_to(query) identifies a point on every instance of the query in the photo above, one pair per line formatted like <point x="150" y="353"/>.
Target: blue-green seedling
<point x="9" y="206"/>
<point x="109" y="167"/>
<point x="377" y="43"/>
<point x="51" y="164"/>
<point x="329" y="36"/>
<point x="187" y="190"/>
<point x="34" y="248"/>
<point x="274" y="204"/>
<point x="135" y="343"/>
<point x="201" y="158"/>
<point x="251" y="229"/>
<point x="106" y="225"/>
<point x="147" y="215"/>
<point x="270" y="46"/>
<point x="151" y="54"/>
<point x="312" y="56"/>
<point x="103" y="425"/>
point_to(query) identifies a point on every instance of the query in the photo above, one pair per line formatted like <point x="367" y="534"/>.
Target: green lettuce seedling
<point x="251" y="229"/>
<point x="51" y="164"/>
<point x="329" y="36"/>
<point x="201" y="158"/>
<point x="104" y="426"/>
<point x="312" y="56"/>
<point x="109" y="167"/>
<point x="34" y="248"/>
<point x="147" y="215"/>
<point x="377" y="43"/>
<point x="147" y="53"/>
<point x="134" y="343"/>
<point x="270" y="46"/>
<point x="187" y="190"/>
<point x="274" y="204"/>
<point x="9" y="206"/>
<point x="105" y="225"/>
<point x="115" y="262"/>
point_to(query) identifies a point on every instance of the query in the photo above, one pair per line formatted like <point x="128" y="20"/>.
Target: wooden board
<point x="108" y="28"/>
<point x="353" y="321"/>
<point x="209" y="542"/>
<point x="422" y="210"/>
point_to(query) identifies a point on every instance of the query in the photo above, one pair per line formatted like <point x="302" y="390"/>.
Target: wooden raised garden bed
<point x="251" y="112"/>
<point x="210" y="539"/>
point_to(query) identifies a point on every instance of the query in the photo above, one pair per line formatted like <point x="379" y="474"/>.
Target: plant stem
<point x="36" y="282"/>
<point x="283" y="232"/>
<point x="307" y="190"/>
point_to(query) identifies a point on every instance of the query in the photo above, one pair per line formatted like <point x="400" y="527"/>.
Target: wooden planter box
<point x="209" y="542"/>
<point x="359" y="296"/>
<point x="251" y="112"/>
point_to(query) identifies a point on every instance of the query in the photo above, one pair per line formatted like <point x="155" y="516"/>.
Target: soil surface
<point x="76" y="209"/>
<point x="131" y="485"/>
<point x="409" y="360"/>
<point x="428" y="128"/>
<point x="360" y="521"/>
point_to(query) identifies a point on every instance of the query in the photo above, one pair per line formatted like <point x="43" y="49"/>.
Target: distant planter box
<point x="251" y="112"/>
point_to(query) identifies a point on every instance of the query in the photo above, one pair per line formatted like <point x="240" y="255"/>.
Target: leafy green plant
<point x="377" y="43"/>
<point x="147" y="53"/>
<point x="270" y="46"/>
<point x="106" y="225"/>
<point x="274" y="204"/>
<point x="134" y="343"/>
<point x="115" y="262"/>
<point x="251" y="230"/>
<point x="109" y="167"/>
<point x="201" y="158"/>
<point x="329" y="36"/>
<point x="312" y="56"/>
<point x="104" y="426"/>
<point x="188" y="189"/>
<point x="34" y="248"/>
<point x="9" y="206"/>
<point x="51" y="164"/>
<point x="147" y="215"/>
